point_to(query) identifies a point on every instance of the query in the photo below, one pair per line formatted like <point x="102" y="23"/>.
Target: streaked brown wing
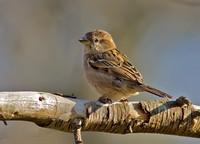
<point x="115" y="63"/>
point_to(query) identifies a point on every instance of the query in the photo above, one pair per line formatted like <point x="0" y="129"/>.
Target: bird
<point x="109" y="72"/>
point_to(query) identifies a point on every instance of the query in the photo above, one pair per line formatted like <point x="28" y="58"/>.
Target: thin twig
<point x="3" y="119"/>
<point x="64" y="95"/>
<point x="77" y="131"/>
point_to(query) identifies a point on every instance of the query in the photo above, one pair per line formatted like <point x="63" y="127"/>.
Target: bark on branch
<point x="47" y="110"/>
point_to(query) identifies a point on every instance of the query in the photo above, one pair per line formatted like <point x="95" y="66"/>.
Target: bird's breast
<point x="99" y="81"/>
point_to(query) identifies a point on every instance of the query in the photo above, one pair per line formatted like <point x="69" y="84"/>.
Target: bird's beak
<point x="85" y="41"/>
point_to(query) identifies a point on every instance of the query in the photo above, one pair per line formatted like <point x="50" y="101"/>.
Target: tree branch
<point x="47" y="110"/>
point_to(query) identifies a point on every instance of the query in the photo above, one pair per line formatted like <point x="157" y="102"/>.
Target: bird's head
<point x="97" y="41"/>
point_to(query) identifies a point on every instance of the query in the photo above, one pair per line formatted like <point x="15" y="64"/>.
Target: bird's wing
<point x="115" y="63"/>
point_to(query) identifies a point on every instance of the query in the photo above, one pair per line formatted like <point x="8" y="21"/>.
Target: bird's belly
<point x="105" y="84"/>
<point x="99" y="81"/>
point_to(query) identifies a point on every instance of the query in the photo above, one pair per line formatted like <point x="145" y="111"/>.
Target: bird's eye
<point x="96" y="40"/>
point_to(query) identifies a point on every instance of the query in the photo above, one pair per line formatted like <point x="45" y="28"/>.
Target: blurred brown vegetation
<point x="39" y="51"/>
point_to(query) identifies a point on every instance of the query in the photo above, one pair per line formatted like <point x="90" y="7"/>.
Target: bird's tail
<point x="156" y="92"/>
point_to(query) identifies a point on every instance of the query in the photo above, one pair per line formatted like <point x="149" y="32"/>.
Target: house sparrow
<point x="109" y="72"/>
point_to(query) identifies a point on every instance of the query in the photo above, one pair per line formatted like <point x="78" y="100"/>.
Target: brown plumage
<point x="108" y="71"/>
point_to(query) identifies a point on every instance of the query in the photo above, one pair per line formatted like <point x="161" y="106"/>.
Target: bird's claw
<point x="105" y="100"/>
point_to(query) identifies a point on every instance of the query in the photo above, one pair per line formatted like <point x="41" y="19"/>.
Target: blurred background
<point x="39" y="51"/>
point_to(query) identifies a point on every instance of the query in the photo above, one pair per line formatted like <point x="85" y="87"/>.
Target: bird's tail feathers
<point x="156" y="92"/>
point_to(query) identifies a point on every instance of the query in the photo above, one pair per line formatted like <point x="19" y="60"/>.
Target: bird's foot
<point x="105" y="100"/>
<point x="123" y="100"/>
